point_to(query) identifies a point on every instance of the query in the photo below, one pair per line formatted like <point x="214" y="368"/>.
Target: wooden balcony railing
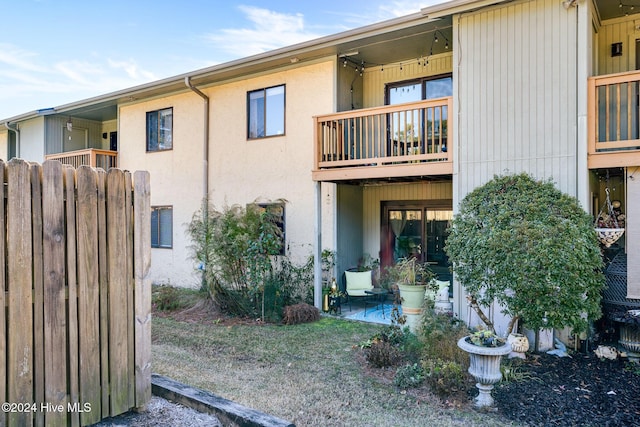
<point x="613" y="120"/>
<point x="397" y="140"/>
<point x="94" y="157"/>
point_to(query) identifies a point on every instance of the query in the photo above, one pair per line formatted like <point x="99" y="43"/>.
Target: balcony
<point x="613" y="120"/>
<point x="93" y="157"/>
<point x="396" y="141"/>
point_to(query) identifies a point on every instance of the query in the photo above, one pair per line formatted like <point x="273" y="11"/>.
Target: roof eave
<point x="457" y="6"/>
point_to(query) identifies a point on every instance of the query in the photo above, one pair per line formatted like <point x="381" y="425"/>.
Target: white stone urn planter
<point x="484" y="367"/>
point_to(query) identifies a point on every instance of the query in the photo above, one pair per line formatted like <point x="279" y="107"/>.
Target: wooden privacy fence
<point x="75" y="300"/>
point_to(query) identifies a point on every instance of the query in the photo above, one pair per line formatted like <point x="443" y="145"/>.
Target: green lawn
<point x="309" y="374"/>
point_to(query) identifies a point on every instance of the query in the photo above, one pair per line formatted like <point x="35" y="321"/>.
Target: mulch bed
<point x="578" y="391"/>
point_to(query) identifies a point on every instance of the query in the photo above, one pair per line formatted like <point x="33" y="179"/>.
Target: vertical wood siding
<point x="517" y="94"/>
<point x="375" y="80"/>
<point x="616" y="31"/>
<point x="54" y="129"/>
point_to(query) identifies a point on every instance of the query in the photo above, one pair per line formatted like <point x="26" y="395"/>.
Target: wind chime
<point x="609" y="225"/>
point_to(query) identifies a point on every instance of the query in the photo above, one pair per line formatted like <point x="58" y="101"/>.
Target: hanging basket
<point x="612" y="231"/>
<point x="608" y="236"/>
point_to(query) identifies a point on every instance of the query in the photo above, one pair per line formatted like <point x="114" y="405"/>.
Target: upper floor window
<point x="162" y="227"/>
<point x="419" y="89"/>
<point x="160" y="130"/>
<point x="265" y="112"/>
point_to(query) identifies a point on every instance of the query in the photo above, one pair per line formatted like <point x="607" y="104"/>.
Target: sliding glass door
<point x="416" y="230"/>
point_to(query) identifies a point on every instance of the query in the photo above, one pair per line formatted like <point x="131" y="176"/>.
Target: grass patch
<point x="312" y="374"/>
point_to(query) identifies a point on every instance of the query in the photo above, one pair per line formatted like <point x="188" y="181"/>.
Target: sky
<point x="53" y="52"/>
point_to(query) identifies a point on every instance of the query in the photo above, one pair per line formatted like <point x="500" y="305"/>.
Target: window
<point x="277" y="210"/>
<point x="162" y="227"/>
<point x="416" y="90"/>
<point x="160" y="130"/>
<point x="265" y="111"/>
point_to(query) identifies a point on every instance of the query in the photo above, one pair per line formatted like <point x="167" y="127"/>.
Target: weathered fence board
<point x="55" y="291"/>
<point x="128" y="204"/>
<point x="72" y="290"/>
<point x="142" y="225"/>
<point x="38" y="291"/>
<point x="116" y="254"/>
<point x="3" y="325"/>
<point x="88" y="293"/>
<point x="75" y="319"/>
<point x="20" y="274"/>
<point x="103" y="276"/>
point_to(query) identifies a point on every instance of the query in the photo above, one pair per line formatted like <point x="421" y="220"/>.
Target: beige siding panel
<point x="517" y="103"/>
<point x="373" y="195"/>
<point x="616" y="31"/>
<point x="375" y="78"/>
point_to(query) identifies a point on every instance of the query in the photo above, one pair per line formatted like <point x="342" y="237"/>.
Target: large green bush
<point x="238" y="249"/>
<point x="531" y="248"/>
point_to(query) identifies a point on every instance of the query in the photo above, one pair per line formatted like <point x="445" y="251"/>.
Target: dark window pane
<point x="161" y="227"/>
<point x="160" y="130"/>
<point x="154" y="228"/>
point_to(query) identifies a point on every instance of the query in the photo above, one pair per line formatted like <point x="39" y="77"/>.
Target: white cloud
<point x="270" y="30"/>
<point x="16" y="58"/>
<point x="27" y="84"/>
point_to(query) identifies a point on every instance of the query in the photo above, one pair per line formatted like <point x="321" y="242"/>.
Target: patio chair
<point x="357" y="282"/>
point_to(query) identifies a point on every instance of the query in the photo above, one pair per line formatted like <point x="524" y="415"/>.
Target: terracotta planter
<point x="484" y="367"/>
<point x="412" y="303"/>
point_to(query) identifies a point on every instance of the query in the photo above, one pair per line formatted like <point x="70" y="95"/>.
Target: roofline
<point x="285" y="52"/>
<point x="456" y="6"/>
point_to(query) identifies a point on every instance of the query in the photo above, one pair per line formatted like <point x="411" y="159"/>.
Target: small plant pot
<point x="484" y="367"/>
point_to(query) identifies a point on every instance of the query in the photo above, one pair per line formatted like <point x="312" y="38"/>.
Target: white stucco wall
<point x="241" y="171"/>
<point x="176" y="175"/>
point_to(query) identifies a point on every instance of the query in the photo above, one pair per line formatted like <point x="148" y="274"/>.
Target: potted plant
<point x="414" y="280"/>
<point x="610" y="225"/>
<point x="530" y="249"/>
<point x="485" y="350"/>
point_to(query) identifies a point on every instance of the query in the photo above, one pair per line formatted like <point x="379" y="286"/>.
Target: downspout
<point x="205" y="151"/>
<point x="17" y="131"/>
<point x="205" y="172"/>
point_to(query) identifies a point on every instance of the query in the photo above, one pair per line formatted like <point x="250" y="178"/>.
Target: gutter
<point x="17" y="131"/>
<point x="205" y="151"/>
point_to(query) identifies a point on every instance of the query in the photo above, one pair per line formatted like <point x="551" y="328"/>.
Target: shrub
<point x="300" y="313"/>
<point x="381" y="354"/>
<point x="409" y="376"/>
<point x="531" y="248"/>
<point x="444" y="377"/>
<point x="244" y="272"/>
<point x="439" y="335"/>
<point x="165" y="298"/>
